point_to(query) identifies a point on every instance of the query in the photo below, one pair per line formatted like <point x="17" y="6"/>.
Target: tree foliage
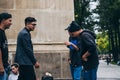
<point x="83" y="15"/>
<point x="108" y="23"/>
<point x="102" y="43"/>
<point x="109" y="17"/>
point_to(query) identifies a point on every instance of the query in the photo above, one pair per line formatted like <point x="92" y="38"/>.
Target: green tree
<point x="83" y="15"/>
<point x="109" y="18"/>
<point x="102" y="43"/>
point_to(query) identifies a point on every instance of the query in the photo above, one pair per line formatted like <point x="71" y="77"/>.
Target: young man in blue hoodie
<point x="88" y="50"/>
<point x="75" y="59"/>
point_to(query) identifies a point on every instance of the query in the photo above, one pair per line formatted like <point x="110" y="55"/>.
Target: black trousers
<point x="26" y="72"/>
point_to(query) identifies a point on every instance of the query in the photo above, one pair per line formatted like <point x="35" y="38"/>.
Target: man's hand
<point x="84" y="57"/>
<point x="68" y="43"/>
<point x="69" y="61"/>
<point x="1" y="64"/>
<point x="37" y="65"/>
<point x="1" y="71"/>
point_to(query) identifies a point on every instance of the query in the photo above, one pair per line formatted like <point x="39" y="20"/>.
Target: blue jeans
<point x="76" y="72"/>
<point x="90" y="74"/>
<point x="4" y="76"/>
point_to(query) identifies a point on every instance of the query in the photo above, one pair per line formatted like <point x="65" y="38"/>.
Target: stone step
<point x="108" y="79"/>
<point x="97" y="79"/>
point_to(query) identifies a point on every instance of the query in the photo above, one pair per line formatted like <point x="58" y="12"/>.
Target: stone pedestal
<point x="53" y="58"/>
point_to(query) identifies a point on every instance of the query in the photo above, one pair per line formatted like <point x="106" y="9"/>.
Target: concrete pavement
<point x="108" y="72"/>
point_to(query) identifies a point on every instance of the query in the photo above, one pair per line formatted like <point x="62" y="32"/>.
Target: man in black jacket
<point x="88" y="50"/>
<point x="24" y="52"/>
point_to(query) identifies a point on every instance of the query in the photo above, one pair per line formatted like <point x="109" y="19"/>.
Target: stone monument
<point x="53" y="16"/>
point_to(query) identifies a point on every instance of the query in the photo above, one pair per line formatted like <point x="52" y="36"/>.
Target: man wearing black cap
<point x="5" y="23"/>
<point x="88" y="50"/>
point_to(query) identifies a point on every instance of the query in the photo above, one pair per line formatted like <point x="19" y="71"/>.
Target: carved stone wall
<point x="53" y="16"/>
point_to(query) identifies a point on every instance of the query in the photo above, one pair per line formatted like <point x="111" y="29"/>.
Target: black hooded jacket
<point x="87" y="41"/>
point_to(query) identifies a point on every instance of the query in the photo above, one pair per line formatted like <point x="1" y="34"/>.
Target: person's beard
<point x="7" y="26"/>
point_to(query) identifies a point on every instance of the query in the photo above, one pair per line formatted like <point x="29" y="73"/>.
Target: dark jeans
<point x="90" y="74"/>
<point x="26" y="72"/>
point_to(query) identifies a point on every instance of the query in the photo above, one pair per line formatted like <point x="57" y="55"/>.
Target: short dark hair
<point x="16" y="65"/>
<point x="4" y="16"/>
<point x="29" y="20"/>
